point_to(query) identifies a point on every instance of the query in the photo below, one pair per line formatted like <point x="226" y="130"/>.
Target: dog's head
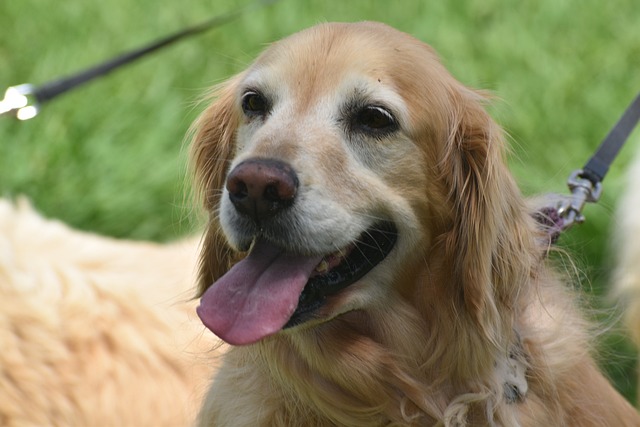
<point x="341" y="161"/>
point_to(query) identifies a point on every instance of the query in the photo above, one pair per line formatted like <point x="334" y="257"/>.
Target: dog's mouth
<point x="271" y="289"/>
<point x="343" y="268"/>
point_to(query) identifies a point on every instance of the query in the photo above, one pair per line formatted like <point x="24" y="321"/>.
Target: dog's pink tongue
<point x="257" y="296"/>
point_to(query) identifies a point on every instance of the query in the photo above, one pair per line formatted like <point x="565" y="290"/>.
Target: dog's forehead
<point x="337" y="57"/>
<point x="320" y="60"/>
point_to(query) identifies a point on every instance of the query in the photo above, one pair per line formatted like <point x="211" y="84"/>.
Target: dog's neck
<point x="411" y="369"/>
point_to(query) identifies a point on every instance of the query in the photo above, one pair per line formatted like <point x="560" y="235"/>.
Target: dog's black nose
<point x="260" y="188"/>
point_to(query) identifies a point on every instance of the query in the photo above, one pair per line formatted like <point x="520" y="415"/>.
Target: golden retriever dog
<point x="368" y="255"/>
<point x="96" y="331"/>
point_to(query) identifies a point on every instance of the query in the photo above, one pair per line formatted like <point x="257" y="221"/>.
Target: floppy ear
<point x="211" y="151"/>
<point x="486" y="239"/>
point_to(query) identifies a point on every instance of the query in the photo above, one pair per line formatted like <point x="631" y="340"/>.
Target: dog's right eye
<point x="375" y="121"/>
<point x="254" y="104"/>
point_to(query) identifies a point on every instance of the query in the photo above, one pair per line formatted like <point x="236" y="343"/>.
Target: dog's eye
<point x="375" y="120"/>
<point x="254" y="104"/>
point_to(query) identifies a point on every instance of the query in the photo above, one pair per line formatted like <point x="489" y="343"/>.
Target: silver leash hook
<point x="583" y="190"/>
<point x="19" y="102"/>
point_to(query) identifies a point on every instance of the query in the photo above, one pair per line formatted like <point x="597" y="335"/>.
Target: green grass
<point x="109" y="157"/>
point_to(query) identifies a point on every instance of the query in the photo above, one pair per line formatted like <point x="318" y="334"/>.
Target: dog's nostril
<point x="260" y="188"/>
<point x="271" y="194"/>
<point x="239" y="190"/>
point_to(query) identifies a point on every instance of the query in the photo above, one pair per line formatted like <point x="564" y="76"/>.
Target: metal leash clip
<point x="19" y="102"/>
<point x="583" y="190"/>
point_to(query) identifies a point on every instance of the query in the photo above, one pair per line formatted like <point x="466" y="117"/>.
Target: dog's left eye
<point x="375" y="120"/>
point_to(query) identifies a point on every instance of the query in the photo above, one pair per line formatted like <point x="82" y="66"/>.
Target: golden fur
<point x="419" y="339"/>
<point x="96" y="331"/>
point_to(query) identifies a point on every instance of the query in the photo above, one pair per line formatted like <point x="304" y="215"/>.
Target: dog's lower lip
<point x="360" y="257"/>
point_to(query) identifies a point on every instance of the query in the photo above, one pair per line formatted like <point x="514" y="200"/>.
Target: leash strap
<point x="598" y="165"/>
<point x="23" y="101"/>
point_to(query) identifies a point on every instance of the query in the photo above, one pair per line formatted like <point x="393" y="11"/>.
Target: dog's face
<point x="338" y="155"/>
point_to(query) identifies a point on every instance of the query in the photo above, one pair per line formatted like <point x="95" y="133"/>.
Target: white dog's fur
<point x="626" y="245"/>
<point x="96" y="331"/>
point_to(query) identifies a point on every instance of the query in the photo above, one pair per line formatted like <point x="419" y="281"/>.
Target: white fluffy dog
<point x="96" y="331"/>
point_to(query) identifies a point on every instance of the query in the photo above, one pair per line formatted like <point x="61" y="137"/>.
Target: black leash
<point x="586" y="183"/>
<point x="23" y="101"/>
<point x="598" y="165"/>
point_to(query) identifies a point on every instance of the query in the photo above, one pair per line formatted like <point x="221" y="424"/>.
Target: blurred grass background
<point x="109" y="157"/>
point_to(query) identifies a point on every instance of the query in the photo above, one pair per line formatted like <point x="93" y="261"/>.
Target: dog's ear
<point x="211" y="151"/>
<point x="485" y="243"/>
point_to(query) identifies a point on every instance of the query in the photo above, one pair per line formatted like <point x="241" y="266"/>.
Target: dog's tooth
<point x="322" y="267"/>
